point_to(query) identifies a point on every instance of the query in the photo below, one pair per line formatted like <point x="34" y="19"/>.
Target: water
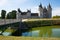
<point x="43" y="32"/>
<point x="48" y="31"/>
<point x="6" y="33"/>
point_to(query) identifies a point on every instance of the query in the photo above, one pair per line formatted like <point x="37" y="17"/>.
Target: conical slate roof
<point x="40" y="5"/>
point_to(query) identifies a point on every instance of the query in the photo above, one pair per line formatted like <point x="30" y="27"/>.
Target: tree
<point x="3" y="13"/>
<point x="9" y="15"/>
<point x="12" y="15"/>
<point x="56" y="16"/>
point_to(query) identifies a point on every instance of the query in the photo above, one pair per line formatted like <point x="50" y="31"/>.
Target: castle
<point x="43" y="13"/>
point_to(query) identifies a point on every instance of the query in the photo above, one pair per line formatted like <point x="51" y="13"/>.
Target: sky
<point x="32" y="5"/>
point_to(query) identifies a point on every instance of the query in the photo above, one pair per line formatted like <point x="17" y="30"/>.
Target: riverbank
<point x="46" y="27"/>
<point x="26" y="38"/>
<point x="38" y="23"/>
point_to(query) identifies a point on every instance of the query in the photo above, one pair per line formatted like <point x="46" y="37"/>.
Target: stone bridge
<point x="9" y="21"/>
<point x="22" y="26"/>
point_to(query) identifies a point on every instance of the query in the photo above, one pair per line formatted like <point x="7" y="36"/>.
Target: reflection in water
<point x="43" y="32"/>
<point x="38" y="32"/>
<point x="32" y="33"/>
<point x="35" y="33"/>
<point x="6" y="33"/>
<point x="56" y="32"/>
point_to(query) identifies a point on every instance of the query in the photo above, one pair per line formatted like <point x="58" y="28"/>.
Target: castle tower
<point x="45" y="14"/>
<point x="28" y="13"/>
<point x="40" y="11"/>
<point x="49" y="11"/>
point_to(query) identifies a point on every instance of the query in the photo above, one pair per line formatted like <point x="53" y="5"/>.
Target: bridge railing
<point x="8" y="21"/>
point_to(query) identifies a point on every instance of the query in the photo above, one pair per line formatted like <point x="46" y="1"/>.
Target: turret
<point x="40" y="11"/>
<point x="49" y="7"/>
<point x="40" y="5"/>
<point x="44" y="10"/>
<point x="49" y="10"/>
<point x="45" y="14"/>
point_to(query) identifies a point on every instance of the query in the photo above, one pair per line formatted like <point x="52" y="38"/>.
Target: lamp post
<point x="20" y="26"/>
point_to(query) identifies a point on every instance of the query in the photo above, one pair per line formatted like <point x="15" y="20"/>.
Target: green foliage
<point x="56" y="22"/>
<point x="56" y="16"/>
<point x="11" y="15"/>
<point x="3" y="13"/>
<point x="38" y="23"/>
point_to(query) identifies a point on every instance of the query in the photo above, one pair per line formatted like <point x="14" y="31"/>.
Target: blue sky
<point x="10" y="5"/>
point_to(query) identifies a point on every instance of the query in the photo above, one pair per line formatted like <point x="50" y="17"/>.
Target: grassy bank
<point x="26" y="38"/>
<point x="46" y="27"/>
<point x="39" y="23"/>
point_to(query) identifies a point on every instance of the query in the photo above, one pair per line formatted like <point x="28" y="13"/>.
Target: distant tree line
<point x="56" y="16"/>
<point x="10" y="15"/>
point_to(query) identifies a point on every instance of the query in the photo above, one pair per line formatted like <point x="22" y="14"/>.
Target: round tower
<point x="45" y="14"/>
<point x="49" y="11"/>
<point x="40" y="11"/>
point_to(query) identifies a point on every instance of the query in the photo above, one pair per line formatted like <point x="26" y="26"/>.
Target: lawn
<point x="26" y="38"/>
<point x="46" y="27"/>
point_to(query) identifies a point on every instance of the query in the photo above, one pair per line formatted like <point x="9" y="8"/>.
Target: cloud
<point x="9" y="5"/>
<point x="3" y="2"/>
<point x="17" y="1"/>
<point x="21" y="1"/>
<point x="11" y="2"/>
<point x="34" y="9"/>
<point x="56" y="11"/>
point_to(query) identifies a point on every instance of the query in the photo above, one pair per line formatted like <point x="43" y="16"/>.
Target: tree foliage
<point x="3" y="14"/>
<point x="56" y="16"/>
<point x="12" y="15"/>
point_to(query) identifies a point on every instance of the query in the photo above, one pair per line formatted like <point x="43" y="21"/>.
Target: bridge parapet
<point x="8" y="21"/>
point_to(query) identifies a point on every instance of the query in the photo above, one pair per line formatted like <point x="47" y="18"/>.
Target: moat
<point x="46" y="31"/>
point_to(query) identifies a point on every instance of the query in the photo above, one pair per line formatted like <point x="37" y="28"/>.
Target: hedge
<point x="42" y="23"/>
